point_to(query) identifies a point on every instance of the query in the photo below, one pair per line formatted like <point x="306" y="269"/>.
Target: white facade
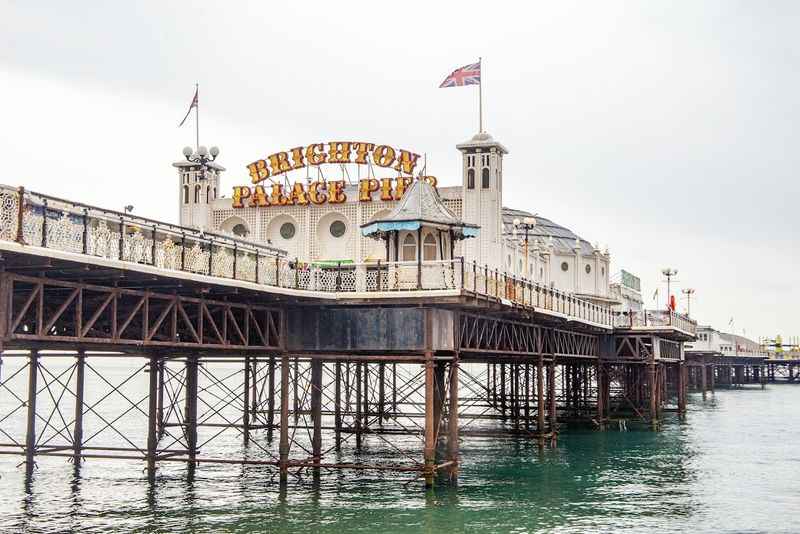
<point x="331" y="232"/>
<point x="712" y="340"/>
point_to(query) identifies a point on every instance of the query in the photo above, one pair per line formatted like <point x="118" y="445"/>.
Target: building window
<point x="588" y="268"/>
<point x="564" y="266"/>
<point x="185" y="194"/>
<point x="208" y="194"/>
<point x="240" y="230"/>
<point x="197" y="194"/>
<point x="337" y="229"/>
<point x="520" y="271"/>
<point x="508" y="261"/>
<point x="603" y="271"/>
<point x="541" y="273"/>
<point x="485" y="178"/>
<point x="429" y="248"/>
<point x="409" y="248"/>
<point x="471" y="179"/>
<point x="287" y="230"/>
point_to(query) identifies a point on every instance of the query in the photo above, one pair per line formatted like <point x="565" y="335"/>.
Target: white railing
<point x="57" y="224"/>
<point x="648" y="318"/>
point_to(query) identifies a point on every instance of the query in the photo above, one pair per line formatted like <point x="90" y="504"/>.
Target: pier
<point x="249" y="357"/>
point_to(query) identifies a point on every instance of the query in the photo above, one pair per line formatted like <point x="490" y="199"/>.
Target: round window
<point x="338" y="228"/>
<point x="588" y="268"/>
<point x="287" y="230"/>
<point x="565" y="266"/>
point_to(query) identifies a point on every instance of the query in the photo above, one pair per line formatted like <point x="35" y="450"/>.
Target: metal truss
<point x="41" y="310"/>
<point x="481" y="334"/>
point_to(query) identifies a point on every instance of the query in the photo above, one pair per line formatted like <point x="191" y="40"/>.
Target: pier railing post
<point x="20" y="215"/>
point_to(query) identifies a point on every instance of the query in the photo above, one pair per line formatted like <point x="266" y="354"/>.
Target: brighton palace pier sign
<point x="274" y="193"/>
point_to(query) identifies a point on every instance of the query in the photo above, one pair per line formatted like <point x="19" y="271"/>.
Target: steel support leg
<point x="190" y="415"/>
<point x="283" y="447"/>
<point x="452" y="421"/>
<point x="77" y="433"/>
<point x="246" y="402"/>
<point x="152" y="417"/>
<point x="430" y="430"/>
<point x="30" y="434"/>
<point x="316" y="412"/>
<point x="337" y="405"/>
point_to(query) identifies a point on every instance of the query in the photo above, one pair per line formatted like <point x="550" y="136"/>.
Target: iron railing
<point x="57" y="224"/>
<point x="649" y="318"/>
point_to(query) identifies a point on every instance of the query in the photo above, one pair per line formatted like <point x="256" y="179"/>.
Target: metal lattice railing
<point x="650" y="318"/>
<point x="57" y="224"/>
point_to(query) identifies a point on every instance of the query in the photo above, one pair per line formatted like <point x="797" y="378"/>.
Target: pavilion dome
<point x="546" y="232"/>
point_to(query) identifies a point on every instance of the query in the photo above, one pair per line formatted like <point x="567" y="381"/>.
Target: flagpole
<point x="480" y="96"/>
<point x="197" y="117"/>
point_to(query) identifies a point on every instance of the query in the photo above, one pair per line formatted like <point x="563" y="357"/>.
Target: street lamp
<point x="688" y="292"/>
<point x="527" y="224"/>
<point x="202" y="157"/>
<point x="669" y="273"/>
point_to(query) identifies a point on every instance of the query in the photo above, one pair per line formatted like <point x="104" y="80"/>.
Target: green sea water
<point x="732" y="466"/>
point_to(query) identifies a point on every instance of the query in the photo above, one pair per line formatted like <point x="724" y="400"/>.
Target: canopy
<point x="421" y="206"/>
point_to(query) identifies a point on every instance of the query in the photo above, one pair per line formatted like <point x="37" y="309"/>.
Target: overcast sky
<point x="667" y="130"/>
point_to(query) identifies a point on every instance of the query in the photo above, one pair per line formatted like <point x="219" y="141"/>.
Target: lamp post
<point x="202" y="157"/>
<point x="527" y="224"/>
<point x="669" y="273"/>
<point x="688" y="292"/>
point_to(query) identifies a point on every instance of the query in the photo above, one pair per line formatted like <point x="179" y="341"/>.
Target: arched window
<point x="240" y="230"/>
<point x="485" y="178"/>
<point x="471" y="179"/>
<point x="196" y="194"/>
<point x="185" y="194"/>
<point x="429" y="248"/>
<point x="208" y="194"/>
<point x="409" y="248"/>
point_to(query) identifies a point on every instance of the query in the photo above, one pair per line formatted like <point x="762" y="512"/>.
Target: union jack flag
<point x="466" y="75"/>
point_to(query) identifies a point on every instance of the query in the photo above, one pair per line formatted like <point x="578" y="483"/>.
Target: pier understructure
<point x="127" y="338"/>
